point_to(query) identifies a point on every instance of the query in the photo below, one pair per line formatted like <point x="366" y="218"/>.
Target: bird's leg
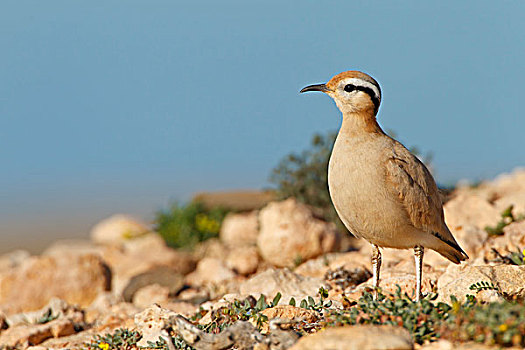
<point x="418" y="255"/>
<point x="376" y="267"/>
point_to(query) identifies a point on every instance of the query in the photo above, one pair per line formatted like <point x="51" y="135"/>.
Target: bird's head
<point x="352" y="91"/>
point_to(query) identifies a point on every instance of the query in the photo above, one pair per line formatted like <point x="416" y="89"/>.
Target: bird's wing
<point x="417" y="191"/>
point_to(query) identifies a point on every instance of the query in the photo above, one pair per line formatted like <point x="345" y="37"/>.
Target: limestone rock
<point x="57" y="319"/>
<point x="117" y="229"/>
<point x="161" y="276"/>
<point x="516" y="199"/>
<point x="289" y="232"/>
<point x="344" y="269"/>
<point x="152" y="323"/>
<point x="141" y="255"/>
<point x="77" y="279"/>
<point x="240" y="229"/>
<point x="470" y="209"/>
<point x="443" y="344"/>
<point x="13" y="259"/>
<point x="150" y="294"/>
<point x="243" y="260"/>
<point x="211" y="248"/>
<point x="209" y="271"/>
<point x="512" y="241"/>
<point x="509" y="280"/>
<point x="361" y="337"/>
<point x="289" y="284"/>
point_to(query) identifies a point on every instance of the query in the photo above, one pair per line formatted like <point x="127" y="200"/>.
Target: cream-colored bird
<point x="381" y="191"/>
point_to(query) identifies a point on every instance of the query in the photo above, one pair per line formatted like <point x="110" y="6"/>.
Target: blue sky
<point x="124" y="106"/>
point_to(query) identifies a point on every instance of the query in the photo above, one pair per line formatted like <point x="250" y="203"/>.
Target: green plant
<point x="483" y="285"/>
<point x="183" y="226"/>
<point x="249" y="309"/>
<point x="304" y="176"/>
<point x="122" y="339"/>
<point x="47" y="317"/>
<point x="309" y="303"/>
<point x="500" y="323"/>
<point x="506" y="219"/>
<point x="421" y="319"/>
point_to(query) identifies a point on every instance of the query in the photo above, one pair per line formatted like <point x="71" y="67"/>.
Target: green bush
<point x="305" y="177"/>
<point x="183" y="226"/>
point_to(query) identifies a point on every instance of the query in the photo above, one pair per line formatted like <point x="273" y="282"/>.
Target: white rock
<point x="239" y="229"/>
<point x="117" y="229"/>
<point x="289" y="233"/>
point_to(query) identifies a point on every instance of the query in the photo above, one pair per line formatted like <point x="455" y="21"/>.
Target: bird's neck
<point x="359" y="124"/>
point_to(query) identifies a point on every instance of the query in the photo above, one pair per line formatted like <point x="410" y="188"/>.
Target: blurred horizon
<point x="117" y="107"/>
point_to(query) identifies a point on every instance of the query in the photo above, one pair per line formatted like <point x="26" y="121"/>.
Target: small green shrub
<point x="183" y="226"/>
<point x="305" y="176"/>
<point x="122" y="339"/>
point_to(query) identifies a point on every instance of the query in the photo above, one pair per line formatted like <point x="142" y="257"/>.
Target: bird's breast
<point x="356" y="180"/>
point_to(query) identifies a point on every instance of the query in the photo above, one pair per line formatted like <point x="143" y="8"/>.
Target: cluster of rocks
<point x="126" y="277"/>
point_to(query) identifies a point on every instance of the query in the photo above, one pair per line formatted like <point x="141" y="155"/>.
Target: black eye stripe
<point x="367" y="90"/>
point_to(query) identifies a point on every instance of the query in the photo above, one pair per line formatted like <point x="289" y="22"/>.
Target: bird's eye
<point x="349" y="88"/>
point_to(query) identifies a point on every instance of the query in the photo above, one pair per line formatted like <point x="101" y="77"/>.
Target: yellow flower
<point x="503" y="327"/>
<point x="103" y="346"/>
<point x="206" y="224"/>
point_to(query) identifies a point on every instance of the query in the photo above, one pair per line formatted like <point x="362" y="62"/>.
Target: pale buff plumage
<point x="381" y="191"/>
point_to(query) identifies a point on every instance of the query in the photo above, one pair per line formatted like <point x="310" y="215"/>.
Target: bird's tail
<point x="450" y="249"/>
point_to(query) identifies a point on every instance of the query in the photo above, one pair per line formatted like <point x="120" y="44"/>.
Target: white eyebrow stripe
<point x="363" y="83"/>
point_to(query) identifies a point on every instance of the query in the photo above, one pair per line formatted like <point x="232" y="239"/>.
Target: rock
<point x="288" y="313"/>
<point x="57" y="319"/>
<point x="72" y="247"/>
<point x="181" y="307"/>
<point x="211" y="248"/>
<point x="506" y="184"/>
<point x="117" y="229"/>
<point x="75" y="279"/>
<point x="152" y="322"/>
<point x="55" y="308"/>
<point x="361" y="337"/>
<point x="150" y="294"/>
<point x="443" y="344"/>
<point x="141" y="255"/>
<point x="391" y="280"/>
<point x="289" y="284"/>
<point x="209" y="271"/>
<point x="25" y="335"/>
<point x="240" y="229"/>
<point x="344" y="269"/>
<point x="509" y="280"/>
<point x="512" y="241"/>
<point x="470" y="209"/>
<point x="3" y="321"/>
<point x="516" y="199"/>
<point x="289" y="233"/>
<point x="13" y="259"/>
<point x="244" y="260"/>
<point x="161" y="276"/>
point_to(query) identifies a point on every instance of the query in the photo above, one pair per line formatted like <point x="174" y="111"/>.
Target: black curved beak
<point x="315" y="87"/>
